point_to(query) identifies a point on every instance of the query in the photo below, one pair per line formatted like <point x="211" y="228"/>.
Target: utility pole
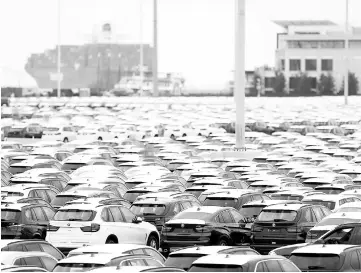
<point x="59" y="78"/>
<point x="239" y="74"/>
<point x="346" y="56"/>
<point x="155" y="49"/>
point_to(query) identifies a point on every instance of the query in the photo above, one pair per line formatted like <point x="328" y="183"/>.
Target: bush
<point x="279" y="84"/>
<point x="326" y="85"/>
<point x="303" y="86"/>
<point x="353" y="85"/>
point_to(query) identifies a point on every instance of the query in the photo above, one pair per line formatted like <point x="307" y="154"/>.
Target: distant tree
<point x="353" y="85"/>
<point x="256" y="77"/>
<point x="303" y="86"/>
<point x="326" y="85"/>
<point x="279" y="83"/>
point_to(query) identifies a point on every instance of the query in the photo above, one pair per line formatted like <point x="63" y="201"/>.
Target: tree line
<point x="304" y="85"/>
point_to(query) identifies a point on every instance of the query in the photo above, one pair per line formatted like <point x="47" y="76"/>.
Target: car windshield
<point x="337" y="221"/>
<point x="193" y="215"/>
<point x="72" y="166"/>
<point x="221" y="202"/>
<point x="60" y="200"/>
<point x="329" y="204"/>
<point x="287" y="197"/>
<point x="315" y="261"/>
<point x="74" y="215"/>
<point x="68" y="267"/>
<point x="251" y="211"/>
<point x="10" y="215"/>
<point x="216" y="268"/>
<point x="148" y="209"/>
<point x="196" y="193"/>
<point x="277" y="216"/>
<point x="183" y="261"/>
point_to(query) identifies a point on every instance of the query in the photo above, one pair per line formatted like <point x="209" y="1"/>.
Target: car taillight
<point x="166" y="229"/>
<point x="295" y="229"/>
<point x="52" y="228"/>
<point x="91" y="228"/>
<point x="203" y="229"/>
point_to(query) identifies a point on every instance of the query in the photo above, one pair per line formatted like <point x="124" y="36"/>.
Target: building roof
<point x="287" y="23"/>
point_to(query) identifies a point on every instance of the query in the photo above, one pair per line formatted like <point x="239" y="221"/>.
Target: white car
<point x="59" y="133"/>
<point x="78" y="225"/>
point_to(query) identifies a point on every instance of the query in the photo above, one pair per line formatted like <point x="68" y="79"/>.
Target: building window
<point x="294" y="82"/>
<point x="313" y="83"/>
<point x="333" y="44"/>
<point x="311" y="64"/>
<point x="302" y="44"/>
<point x="295" y="65"/>
<point x="327" y="65"/>
<point x="283" y="65"/>
<point x="269" y="82"/>
<point x="355" y="44"/>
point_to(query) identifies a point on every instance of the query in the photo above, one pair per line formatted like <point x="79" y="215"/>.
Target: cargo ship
<point x="98" y="65"/>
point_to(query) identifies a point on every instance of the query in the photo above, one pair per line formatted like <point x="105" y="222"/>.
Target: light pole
<point x="59" y="56"/>
<point x="141" y="46"/>
<point x="239" y="74"/>
<point x="345" y="88"/>
<point x="155" y="50"/>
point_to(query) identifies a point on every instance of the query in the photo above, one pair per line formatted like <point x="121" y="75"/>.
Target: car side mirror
<point x="137" y="220"/>
<point x="242" y="223"/>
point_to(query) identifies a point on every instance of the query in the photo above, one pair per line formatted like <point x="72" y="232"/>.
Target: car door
<point x="239" y="232"/>
<point x="41" y="219"/>
<point x="139" y="231"/>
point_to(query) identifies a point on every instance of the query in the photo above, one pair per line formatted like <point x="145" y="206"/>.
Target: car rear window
<point x="193" y="215"/>
<point x="182" y="260"/>
<point x="216" y="268"/>
<point x="131" y="196"/>
<point x="60" y="200"/>
<point x="277" y="216"/>
<point x="10" y="215"/>
<point x="315" y="261"/>
<point x="81" y="267"/>
<point x="329" y="204"/>
<point x="19" y="169"/>
<point x="251" y="211"/>
<point x="221" y="202"/>
<point x="148" y="209"/>
<point x="287" y="197"/>
<point x="72" y="166"/>
<point x="74" y="215"/>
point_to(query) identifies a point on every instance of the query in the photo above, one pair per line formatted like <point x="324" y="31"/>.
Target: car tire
<point x="66" y="140"/>
<point x="100" y="138"/>
<point x="222" y="242"/>
<point x="153" y="242"/>
<point x="111" y="240"/>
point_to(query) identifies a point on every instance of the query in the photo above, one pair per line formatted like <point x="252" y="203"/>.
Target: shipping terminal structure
<point x="104" y="64"/>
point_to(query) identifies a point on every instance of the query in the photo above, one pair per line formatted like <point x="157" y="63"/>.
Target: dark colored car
<point x="326" y="258"/>
<point x="25" y="221"/>
<point x="33" y="245"/>
<point x="29" y="131"/>
<point x="159" y="211"/>
<point x="285" y="224"/>
<point x="207" y="225"/>
<point x="234" y="198"/>
<point x="342" y="234"/>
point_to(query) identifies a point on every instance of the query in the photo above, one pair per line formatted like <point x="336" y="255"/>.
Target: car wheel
<point x="66" y="140"/>
<point x="153" y="242"/>
<point x="100" y="138"/>
<point x="111" y="240"/>
<point x="222" y="242"/>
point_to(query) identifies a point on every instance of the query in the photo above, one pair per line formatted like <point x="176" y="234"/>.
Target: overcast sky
<point x="195" y="36"/>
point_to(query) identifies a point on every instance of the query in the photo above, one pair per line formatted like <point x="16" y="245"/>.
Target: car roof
<point x="97" y="258"/>
<point x="205" y="209"/>
<point x="324" y="197"/>
<point x="17" y="206"/>
<point x="5" y="242"/>
<point x="267" y="202"/>
<point x="108" y="248"/>
<point x="206" y="250"/>
<point x="286" y="206"/>
<point x="6" y="255"/>
<point x="231" y="193"/>
<point x="352" y="215"/>
<point x="233" y="259"/>
<point x="323" y="249"/>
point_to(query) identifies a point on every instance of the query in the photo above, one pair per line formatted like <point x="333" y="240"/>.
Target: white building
<point x="316" y="47"/>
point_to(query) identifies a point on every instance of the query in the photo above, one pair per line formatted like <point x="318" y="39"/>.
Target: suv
<point x="284" y="224"/>
<point x="77" y="225"/>
<point x="159" y="211"/>
<point x="207" y="225"/>
<point x="25" y="221"/>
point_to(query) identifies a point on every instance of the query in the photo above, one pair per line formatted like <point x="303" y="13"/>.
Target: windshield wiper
<point x="279" y="220"/>
<point x="316" y="267"/>
<point x="75" y="219"/>
<point x="149" y="213"/>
